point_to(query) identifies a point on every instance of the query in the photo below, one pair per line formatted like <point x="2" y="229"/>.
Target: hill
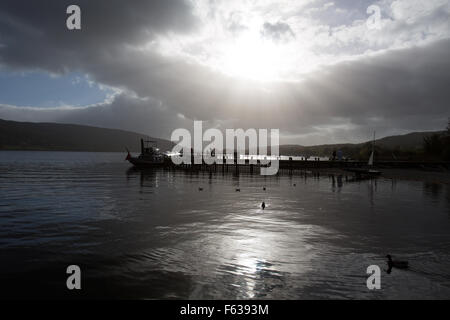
<point x="390" y="147"/>
<point x="69" y="137"/>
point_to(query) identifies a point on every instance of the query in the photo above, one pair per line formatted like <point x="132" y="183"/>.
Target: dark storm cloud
<point x="34" y="34"/>
<point x="395" y="92"/>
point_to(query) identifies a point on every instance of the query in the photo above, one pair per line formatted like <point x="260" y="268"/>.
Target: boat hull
<point x="143" y="163"/>
<point x="362" y="171"/>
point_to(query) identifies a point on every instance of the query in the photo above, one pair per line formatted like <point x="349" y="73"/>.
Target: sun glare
<point x="247" y="54"/>
<point x="253" y="57"/>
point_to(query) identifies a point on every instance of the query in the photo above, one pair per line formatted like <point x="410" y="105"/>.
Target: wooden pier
<point x="297" y="166"/>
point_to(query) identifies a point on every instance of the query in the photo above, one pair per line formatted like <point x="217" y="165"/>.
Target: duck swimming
<point x="396" y="264"/>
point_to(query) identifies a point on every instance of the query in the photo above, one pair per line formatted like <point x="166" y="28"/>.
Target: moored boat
<point x="368" y="171"/>
<point x="150" y="156"/>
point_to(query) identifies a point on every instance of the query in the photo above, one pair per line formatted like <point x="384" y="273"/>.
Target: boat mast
<point x="373" y="151"/>
<point x="373" y="143"/>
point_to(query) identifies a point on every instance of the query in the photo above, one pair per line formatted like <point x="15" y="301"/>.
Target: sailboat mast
<point x="370" y="163"/>
<point x="373" y="143"/>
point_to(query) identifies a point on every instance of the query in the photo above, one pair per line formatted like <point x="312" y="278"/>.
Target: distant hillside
<point x="411" y="142"/>
<point x="68" y="137"/>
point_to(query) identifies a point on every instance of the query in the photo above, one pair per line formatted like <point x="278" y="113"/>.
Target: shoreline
<point x="435" y="176"/>
<point x="430" y="175"/>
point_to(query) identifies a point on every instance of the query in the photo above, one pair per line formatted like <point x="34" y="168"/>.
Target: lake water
<point x="154" y="234"/>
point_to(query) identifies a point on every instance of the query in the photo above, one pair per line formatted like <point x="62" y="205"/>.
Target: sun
<point x="247" y="54"/>
<point x="252" y="57"/>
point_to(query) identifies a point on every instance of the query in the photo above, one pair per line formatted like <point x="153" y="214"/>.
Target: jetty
<point x="235" y="164"/>
<point x="238" y="162"/>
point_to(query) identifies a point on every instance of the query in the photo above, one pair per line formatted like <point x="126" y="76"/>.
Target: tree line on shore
<point x="438" y="145"/>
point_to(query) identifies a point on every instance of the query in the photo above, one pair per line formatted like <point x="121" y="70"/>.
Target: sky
<point x="319" y="71"/>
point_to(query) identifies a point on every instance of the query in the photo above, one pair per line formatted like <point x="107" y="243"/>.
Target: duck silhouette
<point x="264" y="188"/>
<point x="238" y="190"/>
<point x="200" y="189"/>
<point x="396" y="264"/>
